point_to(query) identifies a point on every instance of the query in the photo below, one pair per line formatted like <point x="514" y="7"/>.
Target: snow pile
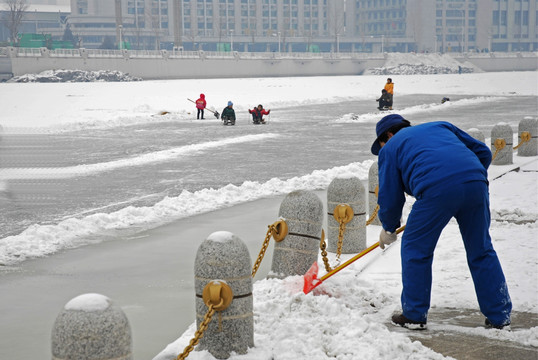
<point x="89" y="302"/>
<point x="373" y="117"/>
<point x="75" y="76"/>
<point x="425" y="64"/>
<point x="39" y="240"/>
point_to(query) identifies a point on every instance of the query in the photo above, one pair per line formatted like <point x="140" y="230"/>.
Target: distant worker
<point x="200" y="105"/>
<point x="389" y="86"/>
<point x="257" y="114"/>
<point x="385" y="101"/>
<point x="228" y="114"/>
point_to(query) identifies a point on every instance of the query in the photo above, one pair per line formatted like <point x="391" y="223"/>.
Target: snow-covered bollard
<point x="501" y="144"/>
<point x="528" y="137"/>
<point x="341" y="192"/>
<point x="224" y="257"/>
<point x="303" y="212"/>
<point x="477" y="134"/>
<point x="91" y="327"/>
<point x="373" y="187"/>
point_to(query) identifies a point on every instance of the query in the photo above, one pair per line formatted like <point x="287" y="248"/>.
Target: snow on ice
<point x="346" y="316"/>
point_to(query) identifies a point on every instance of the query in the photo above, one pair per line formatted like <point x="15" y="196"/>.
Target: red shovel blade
<point x="311" y="280"/>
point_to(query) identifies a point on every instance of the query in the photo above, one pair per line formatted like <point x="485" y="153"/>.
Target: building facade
<point x="301" y="25"/>
<point x="38" y="19"/>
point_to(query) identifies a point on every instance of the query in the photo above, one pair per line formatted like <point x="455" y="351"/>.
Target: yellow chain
<point x="340" y="242"/>
<point x="525" y="136"/>
<point x="198" y="334"/>
<point x="374" y="215"/>
<point x="499" y="145"/>
<point x="279" y="231"/>
<point x="263" y="249"/>
<point x="323" y="247"/>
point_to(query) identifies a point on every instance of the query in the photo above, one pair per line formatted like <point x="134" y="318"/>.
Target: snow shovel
<point x="311" y="280"/>
<point x="216" y="113"/>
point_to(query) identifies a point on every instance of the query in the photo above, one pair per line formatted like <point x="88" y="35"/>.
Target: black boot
<point x="401" y="320"/>
<point x="489" y="325"/>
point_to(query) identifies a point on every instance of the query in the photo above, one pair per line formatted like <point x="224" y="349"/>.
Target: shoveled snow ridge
<point x="75" y="76"/>
<point x="421" y="64"/>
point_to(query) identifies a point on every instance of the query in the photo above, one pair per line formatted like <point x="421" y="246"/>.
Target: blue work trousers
<point x="469" y="204"/>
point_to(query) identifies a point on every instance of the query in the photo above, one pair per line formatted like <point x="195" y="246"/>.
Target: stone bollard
<point x="91" y="327"/>
<point x="303" y="213"/>
<point x="224" y="257"/>
<point x="502" y="134"/>
<point x="528" y="127"/>
<point x="477" y="134"/>
<point x="348" y="191"/>
<point x="373" y="186"/>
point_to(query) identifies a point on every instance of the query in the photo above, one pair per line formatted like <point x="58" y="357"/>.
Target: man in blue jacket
<point x="445" y="169"/>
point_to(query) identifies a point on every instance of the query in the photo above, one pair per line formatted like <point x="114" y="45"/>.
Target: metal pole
<point x="121" y="40"/>
<point x="382" y="42"/>
<point x="232" y="40"/>
<point x="279" y="42"/>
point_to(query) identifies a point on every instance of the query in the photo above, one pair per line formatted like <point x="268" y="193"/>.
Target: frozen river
<point x="101" y="171"/>
<point x="105" y="170"/>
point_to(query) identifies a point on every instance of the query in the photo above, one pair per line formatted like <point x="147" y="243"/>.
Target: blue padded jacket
<point x="422" y="157"/>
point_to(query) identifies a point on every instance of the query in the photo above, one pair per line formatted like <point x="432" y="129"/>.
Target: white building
<point x="298" y="25"/>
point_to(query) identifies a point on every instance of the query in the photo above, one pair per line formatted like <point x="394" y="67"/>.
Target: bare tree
<point x="153" y="19"/>
<point x="336" y="21"/>
<point x="13" y="18"/>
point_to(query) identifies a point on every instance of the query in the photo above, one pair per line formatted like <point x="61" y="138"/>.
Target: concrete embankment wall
<point x="502" y="62"/>
<point x="184" y="65"/>
<point x="164" y="65"/>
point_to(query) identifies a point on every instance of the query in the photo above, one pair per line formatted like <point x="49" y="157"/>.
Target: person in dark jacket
<point x="228" y="114"/>
<point x="200" y="106"/>
<point x="389" y="86"/>
<point x="384" y="100"/>
<point x="257" y="114"/>
<point x="445" y="169"/>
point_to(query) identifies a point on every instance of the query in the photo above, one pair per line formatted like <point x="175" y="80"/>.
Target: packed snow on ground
<point x="90" y="105"/>
<point x="346" y="317"/>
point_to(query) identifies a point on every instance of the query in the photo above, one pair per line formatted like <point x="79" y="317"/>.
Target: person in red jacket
<point x="257" y="114"/>
<point x="200" y="105"/>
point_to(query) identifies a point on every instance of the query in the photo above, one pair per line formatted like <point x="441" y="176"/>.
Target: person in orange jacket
<point x="389" y="86"/>
<point x="200" y="105"/>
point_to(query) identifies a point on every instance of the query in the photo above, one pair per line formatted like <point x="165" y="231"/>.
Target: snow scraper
<point x="216" y="113"/>
<point x="311" y="280"/>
